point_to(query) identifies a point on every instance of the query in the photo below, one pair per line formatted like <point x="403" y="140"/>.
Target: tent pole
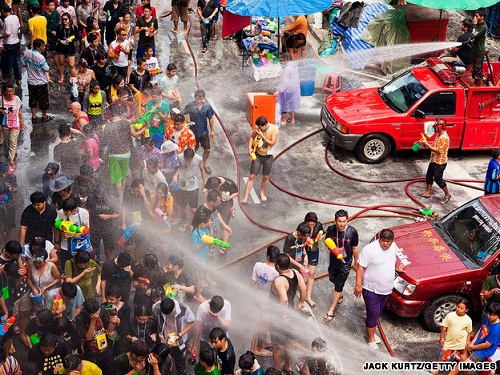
<point x="279" y="39"/>
<point x="439" y="24"/>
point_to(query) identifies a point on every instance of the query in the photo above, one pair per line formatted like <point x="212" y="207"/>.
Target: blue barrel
<point x="307" y="76"/>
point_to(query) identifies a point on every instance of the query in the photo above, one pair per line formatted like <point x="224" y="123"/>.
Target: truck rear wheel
<point x="435" y="312"/>
<point x="373" y="148"/>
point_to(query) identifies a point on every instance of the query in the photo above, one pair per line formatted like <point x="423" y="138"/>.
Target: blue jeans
<point x="11" y="59"/>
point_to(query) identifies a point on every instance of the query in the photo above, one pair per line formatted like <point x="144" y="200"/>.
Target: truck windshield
<point x="401" y="93"/>
<point x="473" y="231"/>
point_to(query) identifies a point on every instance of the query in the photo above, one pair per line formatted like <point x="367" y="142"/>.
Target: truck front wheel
<point x="435" y="312"/>
<point x="373" y="148"/>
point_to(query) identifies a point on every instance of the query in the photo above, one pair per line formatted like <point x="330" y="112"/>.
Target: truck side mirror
<point x="420" y="114"/>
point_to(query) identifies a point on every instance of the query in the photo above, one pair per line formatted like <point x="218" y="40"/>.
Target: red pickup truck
<point x="446" y="260"/>
<point x="375" y="121"/>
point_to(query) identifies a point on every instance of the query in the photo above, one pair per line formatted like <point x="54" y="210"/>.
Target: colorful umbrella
<point x="454" y="4"/>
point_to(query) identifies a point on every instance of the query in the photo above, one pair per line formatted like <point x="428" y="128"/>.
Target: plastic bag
<point x="328" y="45"/>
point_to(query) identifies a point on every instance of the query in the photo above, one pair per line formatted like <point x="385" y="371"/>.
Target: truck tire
<point x="438" y="308"/>
<point x="373" y="148"/>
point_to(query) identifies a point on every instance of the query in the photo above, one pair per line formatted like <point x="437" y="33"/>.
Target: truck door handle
<point x="450" y="125"/>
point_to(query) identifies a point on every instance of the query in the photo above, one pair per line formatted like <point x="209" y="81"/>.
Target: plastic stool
<point x="332" y="83"/>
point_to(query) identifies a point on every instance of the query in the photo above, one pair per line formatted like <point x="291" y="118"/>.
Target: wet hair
<point x="150" y="260"/>
<point x="156" y="91"/>
<point x="139" y="348"/>
<point x="117" y="110"/>
<point x="40" y="253"/>
<point x="200" y="93"/>
<point x="212" y="183"/>
<point x="167" y="305"/>
<point x="142" y="310"/>
<point x="93" y="84"/>
<point x="37" y="243"/>
<point x="71" y="362"/>
<point x="494" y="308"/>
<point x="283" y="261"/>
<point x="116" y="80"/>
<point x="114" y="291"/>
<point x="319" y="344"/>
<point x="171" y="66"/>
<point x="69" y="290"/>
<point x="495" y="153"/>
<point x="37" y="197"/>
<point x="481" y="12"/>
<point x="188" y="154"/>
<point x="179" y="117"/>
<point x="64" y="130"/>
<point x="163" y="187"/>
<point x="213" y="195"/>
<point x="304" y="229"/>
<point x="69" y="204"/>
<point x="161" y="350"/>
<point x="386" y="234"/>
<point x="37" y="43"/>
<point x="88" y="131"/>
<point x="261" y="120"/>
<point x="136" y="182"/>
<point x="341" y="213"/>
<point x="146" y="48"/>
<point x="176" y="260"/>
<point x="200" y="219"/>
<point x="13" y="247"/>
<point x="81" y="257"/>
<point x="272" y="252"/>
<point x="141" y="60"/>
<point x="119" y="30"/>
<point x="101" y="56"/>
<point x="207" y="356"/>
<point x="465" y="302"/>
<point x="64" y="325"/>
<point x="124" y="259"/>
<point x="311" y="216"/>
<point x="67" y="15"/>
<point x="467" y="22"/>
<point x="126" y="11"/>
<point x="83" y="63"/>
<point x="8" y="85"/>
<point x="91" y="38"/>
<point x="48" y="340"/>
<point x="217" y="333"/>
<point x="44" y="318"/>
<point x="246" y="361"/>
<point x="216" y="304"/>
<point x="153" y="162"/>
<point x="11" y="269"/>
<point x="91" y="306"/>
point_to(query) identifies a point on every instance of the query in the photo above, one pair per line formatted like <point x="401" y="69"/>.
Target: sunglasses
<point x="39" y="259"/>
<point x="123" y="34"/>
<point x="65" y="19"/>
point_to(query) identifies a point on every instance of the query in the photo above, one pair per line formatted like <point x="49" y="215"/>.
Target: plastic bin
<point x="260" y="104"/>
<point x="307" y="77"/>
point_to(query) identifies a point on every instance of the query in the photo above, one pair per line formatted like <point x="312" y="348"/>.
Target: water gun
<point x="70" y="228"/>
<point x="56" y="303"/>
<point x="151" y="30"/>
<point x="146" y="118"/>
<point x="161" y="215"/>
<point x="154" y="71"/>
<point x="169" y="292"/>
<point x="117" y="50"/>
<point x="318" y="236"/>
<point x="253" y="155"/>
<point x="144" y="280"/>
<point x="127" y="233"/>
<point x="309" y="242"/>
<point x="109" y="15"/>
<point x="333" y="248"/>
<point x="423" y="137"/>
<point x="209" y="240"/>
<point x="3" y="198"/>
<point x="4" y="327"/>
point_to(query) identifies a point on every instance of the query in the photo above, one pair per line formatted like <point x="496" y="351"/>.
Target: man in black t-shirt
<point x="37" y="219"/>
<point x="295" y="246"/>
<point x="48" y="354"/>
<point x="210" y="208"/>
<point x="226" y="358"/>
<point x="346" y="239"/>
<point x="117" y="271"/>
<point x="463" y="53"/>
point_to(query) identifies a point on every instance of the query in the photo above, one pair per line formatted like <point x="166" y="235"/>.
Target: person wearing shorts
<point x="261" y="149"/>
<point x="179" y="10"/>
<point x="375" y="279"/>
<point x="346" y="240"/>
<point x="187" y="178"/>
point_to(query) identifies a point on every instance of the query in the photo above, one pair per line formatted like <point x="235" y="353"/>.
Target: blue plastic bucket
<point x="307" y="76"/>
<point x="37" y="299"/>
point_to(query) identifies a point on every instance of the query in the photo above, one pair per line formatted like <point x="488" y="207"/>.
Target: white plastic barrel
<point x="317" y="22"/>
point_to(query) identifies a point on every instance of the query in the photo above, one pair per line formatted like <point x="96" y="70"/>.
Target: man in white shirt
<point x="11" y="53"/>
<point x="375" y="279"/>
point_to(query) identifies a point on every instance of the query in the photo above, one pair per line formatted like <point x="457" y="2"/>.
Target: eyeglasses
<point x="65" y="19"/>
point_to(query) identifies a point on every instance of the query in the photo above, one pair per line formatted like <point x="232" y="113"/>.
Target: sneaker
<point x="373" y="346"/>
<point x="377" y="339"/>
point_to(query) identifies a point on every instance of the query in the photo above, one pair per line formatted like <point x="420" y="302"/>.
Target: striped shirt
<point x="442" y="144"/>
<point x="36" y="66"/>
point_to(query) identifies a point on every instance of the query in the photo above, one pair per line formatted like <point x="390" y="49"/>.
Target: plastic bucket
<point x="317" y="20"/>
<point x="37" y="299"/>
<point x="416" y="146"/>
<point x="305" y="273"/>
<point x="269" y="56"/>
<point x="307" y="78"/>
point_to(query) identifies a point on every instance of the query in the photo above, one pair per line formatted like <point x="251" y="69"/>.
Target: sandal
<point x="208" y="170"/>
<point x="328" y="317"/>
<point x="341" y="299"/>
<point x="34" y="120"/>
<point x="310" y="302"/>
<point x="425" y="196"/>
<point x="61" y="81"/>
<point x="446" y="199"/>
<point x="215" y="38"/>
<point x="203" y="50"/>
<point x="47" y="118"/>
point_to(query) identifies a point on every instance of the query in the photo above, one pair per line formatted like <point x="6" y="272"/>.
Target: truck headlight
<point x="403" y="286"/>
<point x="341" y="128"/>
